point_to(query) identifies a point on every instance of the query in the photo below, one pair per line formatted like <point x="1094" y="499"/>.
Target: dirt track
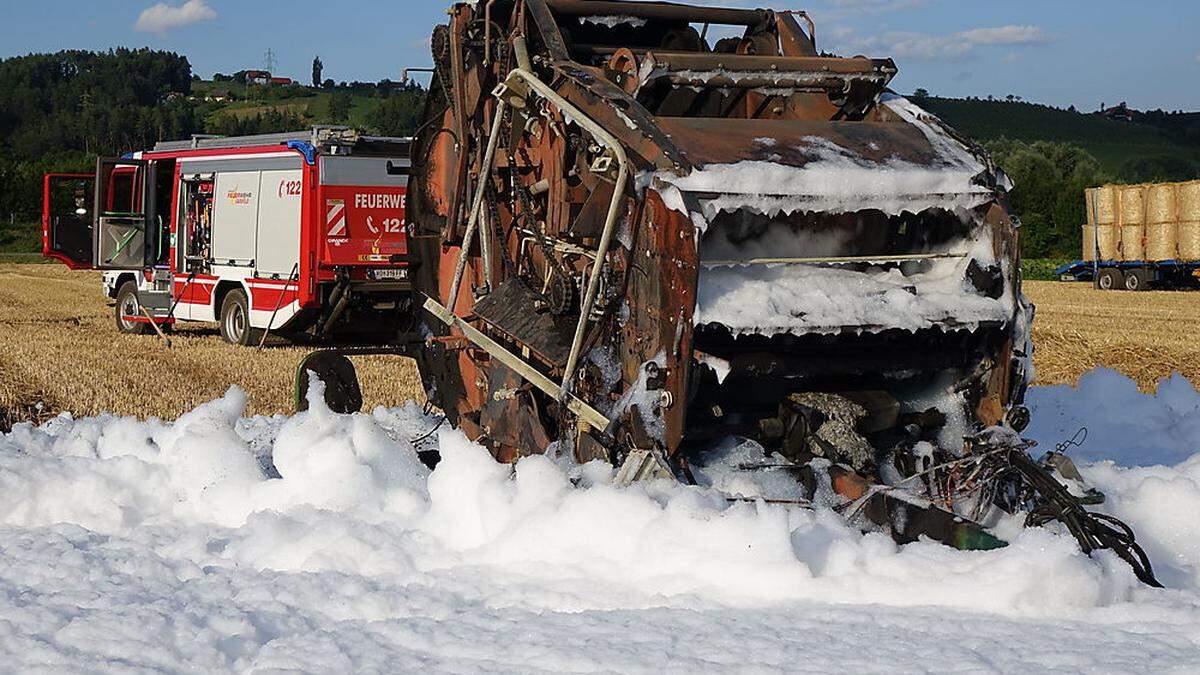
<point x="58" y="346"/>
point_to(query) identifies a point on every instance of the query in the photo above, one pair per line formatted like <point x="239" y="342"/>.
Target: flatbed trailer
<point x="1133" y="275"/>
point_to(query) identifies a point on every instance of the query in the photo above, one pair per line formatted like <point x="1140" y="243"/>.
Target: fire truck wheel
<point x="235" y="320"/>
<point x="128" y="307"/>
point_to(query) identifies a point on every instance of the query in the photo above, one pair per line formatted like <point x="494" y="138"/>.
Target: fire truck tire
<point x="235" y="320"/>
<point x="128" y="306"/>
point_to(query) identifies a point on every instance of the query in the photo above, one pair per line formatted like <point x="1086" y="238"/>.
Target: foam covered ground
<point x="134" y="545"/>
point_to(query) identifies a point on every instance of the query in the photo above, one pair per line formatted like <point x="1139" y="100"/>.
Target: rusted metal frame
<point x="783" y="64"/>
<point x="606" y="235"/>
<point x="548" y="28"/>
<point x="646" y="138"/>
<point x="833" y="259"/>
<point x="476" y="205"/>
<point x="785" y="80"/>
<point x="660" y="10"/>
<point x="762" y="106"/>
<point x="586" y="413"/>
<point x="791" y="37"/>
<point x="458" y="106"/>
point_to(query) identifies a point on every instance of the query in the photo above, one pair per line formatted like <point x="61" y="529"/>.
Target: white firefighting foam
<point x="131" y="545"/>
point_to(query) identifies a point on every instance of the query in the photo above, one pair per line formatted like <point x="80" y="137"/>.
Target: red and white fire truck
<point x="300" y="234"/>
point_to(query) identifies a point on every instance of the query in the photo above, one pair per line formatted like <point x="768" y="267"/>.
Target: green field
<point x="312" y="105"/>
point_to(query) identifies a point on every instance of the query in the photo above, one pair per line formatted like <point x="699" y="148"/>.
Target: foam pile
<point x="135" y="544"/>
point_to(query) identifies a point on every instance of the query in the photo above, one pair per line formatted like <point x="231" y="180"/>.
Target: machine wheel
<point x="342" y="393"/>
<point x="1137" y="280"/>
<point x="128" y="305"/>
<point x="1110" y="279"/>
<point x="235" y="319"/>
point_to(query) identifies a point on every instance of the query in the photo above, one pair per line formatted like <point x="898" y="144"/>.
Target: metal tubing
<point x="833" y="259"/>
<point x="660" y="10"/>
<point x="521" y="50"/>
<point x="278" y="304"/>
<point x="485" y="249"/>
<point x="339" y="306"/>
<point x="610" y="220"/>
<point x="473" y="220"/>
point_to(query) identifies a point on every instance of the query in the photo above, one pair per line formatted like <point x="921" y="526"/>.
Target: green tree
<point x="339" y="106"/>
<point x="397" y="114"/>
<point x="1049" y="180"/>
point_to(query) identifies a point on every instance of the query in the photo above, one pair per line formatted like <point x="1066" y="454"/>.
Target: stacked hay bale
<point x="1187" y="198"/>
<point x="1100" y="233"/>
<point x="1131" y="217"/>
<point x="1143" y="222"/>
<point x="1162" y="222"/>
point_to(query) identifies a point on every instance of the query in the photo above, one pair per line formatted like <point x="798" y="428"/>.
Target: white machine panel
<point x="235" y="217"/>
<point x="277" y="247"/>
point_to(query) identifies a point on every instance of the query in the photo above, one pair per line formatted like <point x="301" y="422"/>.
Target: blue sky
<point x="1054" y="51"/>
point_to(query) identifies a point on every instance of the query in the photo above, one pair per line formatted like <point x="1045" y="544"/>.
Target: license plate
<point x="390" y="273"/>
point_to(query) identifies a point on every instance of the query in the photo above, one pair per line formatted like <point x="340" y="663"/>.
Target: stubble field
<point x="59" y="350"/>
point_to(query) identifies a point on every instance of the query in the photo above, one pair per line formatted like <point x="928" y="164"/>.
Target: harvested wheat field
<point x="1145" y="336"/>
<point x="60" y="349"/>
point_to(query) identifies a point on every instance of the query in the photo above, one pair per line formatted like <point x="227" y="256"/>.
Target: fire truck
<point x="299" y="234"/>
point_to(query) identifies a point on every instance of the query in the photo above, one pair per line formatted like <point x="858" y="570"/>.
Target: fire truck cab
<point x="300" y="234"/>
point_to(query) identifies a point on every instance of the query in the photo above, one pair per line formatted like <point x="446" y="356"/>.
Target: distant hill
<point x="1152" y="147"/>
<point x="58" y="111"/>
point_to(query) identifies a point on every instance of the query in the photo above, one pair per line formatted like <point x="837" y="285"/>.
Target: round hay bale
<point x="1105" y="201"/>
<point x="1161" y="241"/>
<point x="1133" y="244"/>
<point x="1103" y="238"/>
<point x="1160" y="203"/>
<point x="1132" y="199"/>
<point x="1189" y="240"/>
<point x="1188" y="201"/>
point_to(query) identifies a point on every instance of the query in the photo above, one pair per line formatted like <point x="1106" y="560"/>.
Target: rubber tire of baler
<point x="126" y="293"/>
<point x="1110" y="279"/>
<point x="235" y="303"/>
<point x="342" y="392"/>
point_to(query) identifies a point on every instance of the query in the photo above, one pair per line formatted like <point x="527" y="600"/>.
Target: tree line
<point x="59" y="111"/>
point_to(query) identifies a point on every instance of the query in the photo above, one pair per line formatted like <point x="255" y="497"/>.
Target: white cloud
<point x="1005" y="35"/>
<point x="956" y="45"/>
<point x="872" y="6"/>
<point x="162" y="17"/>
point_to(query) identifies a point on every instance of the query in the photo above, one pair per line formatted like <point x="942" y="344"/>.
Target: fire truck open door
<point x="119" y="236"/>
<point x="67" y="209"/>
